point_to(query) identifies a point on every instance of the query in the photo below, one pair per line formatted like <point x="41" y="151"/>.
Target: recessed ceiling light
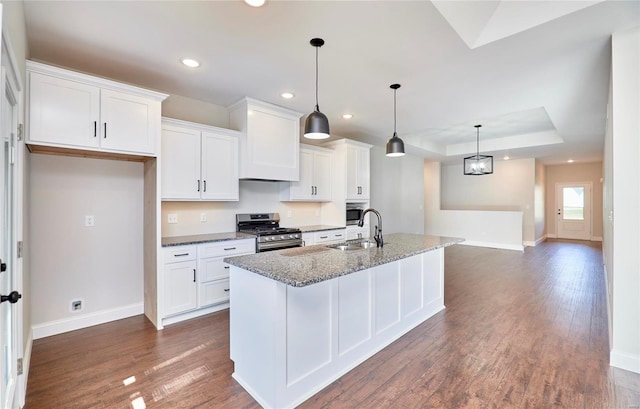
<point x="255" y="3"/>
<point x="506" y="157"/>
<point x="570" y="161"/>
<point x="190" y="62"/>
<point x="347" y="116"/>
<point x="287" y="95"/>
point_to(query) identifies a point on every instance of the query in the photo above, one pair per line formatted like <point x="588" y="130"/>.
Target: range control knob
<point x="282" y="237"/>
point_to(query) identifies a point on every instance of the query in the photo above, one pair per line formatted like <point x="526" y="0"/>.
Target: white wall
<point x="397" y="192"/>
<point x="255" y="196"/>
<point x="625" y="118"/>
<point x="500" y="229"/>
<point x="539" y="203"/>
<point x="511" y="187"/>
<point x="188" y="109"/>
<point x="103" y="265"/>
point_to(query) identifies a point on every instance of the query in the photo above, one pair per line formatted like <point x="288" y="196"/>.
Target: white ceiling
<point x="535" y="74"/>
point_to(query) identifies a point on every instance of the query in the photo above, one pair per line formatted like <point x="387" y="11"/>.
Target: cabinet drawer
<point x="227" y="248"/>
<point x="214" y="292"/>
<point x="213" y="269"/>
<point x="179" y="253"/>
<point x="330" y="235"/>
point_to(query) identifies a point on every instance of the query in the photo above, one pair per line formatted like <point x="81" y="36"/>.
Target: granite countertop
<point x="204" y="238"/>
<point x="318" y="227"/>
<point x="303" y="266"/>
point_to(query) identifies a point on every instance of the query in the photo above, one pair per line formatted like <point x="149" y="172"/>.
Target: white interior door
<point x="573" y="204"/>
<point x="10" y="278"/>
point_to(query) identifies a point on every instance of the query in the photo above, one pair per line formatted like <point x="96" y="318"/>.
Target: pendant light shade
<point x="477" y="164"/>
<point x="317" y="125"/>
<point x="395" y="145"/>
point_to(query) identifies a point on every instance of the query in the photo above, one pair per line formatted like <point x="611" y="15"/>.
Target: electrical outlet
<point x="172" y="218"/>
<point x="203" y="217"/>
<point x="76" y="305"/>
<point x="89" y="221"/>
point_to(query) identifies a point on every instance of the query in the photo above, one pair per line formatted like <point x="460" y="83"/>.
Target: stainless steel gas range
<point x="266" y="227"/>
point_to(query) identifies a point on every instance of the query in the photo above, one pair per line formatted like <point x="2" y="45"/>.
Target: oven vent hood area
<point x="270" y="142"/>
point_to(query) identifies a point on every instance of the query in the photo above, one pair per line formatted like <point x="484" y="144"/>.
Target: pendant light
<point x="395" y="146"/>
<point x="478" y="164"/>
<point x="317" y="125"/>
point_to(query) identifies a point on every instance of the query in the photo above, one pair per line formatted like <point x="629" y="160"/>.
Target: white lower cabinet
<point x="196" y="280"/>
<point x="330" y="236"/>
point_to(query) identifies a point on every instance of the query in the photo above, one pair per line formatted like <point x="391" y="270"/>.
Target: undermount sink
<point x="353" y="246"/>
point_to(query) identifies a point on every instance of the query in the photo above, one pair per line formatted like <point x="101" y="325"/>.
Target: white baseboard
<point x="552" y="236"/>
<point x="48" y="329"/>
<point x="626" y="361"/>
<point x="193" y="314"/>
<point x="534" y="243"/>
<point x="596" y="238"/>
<point x="493" y="245"/>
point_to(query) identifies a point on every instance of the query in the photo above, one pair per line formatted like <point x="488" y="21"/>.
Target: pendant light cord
<point x="317" y="107"/>
<point x="394" y="113"/>
<point x="477" y="143"/>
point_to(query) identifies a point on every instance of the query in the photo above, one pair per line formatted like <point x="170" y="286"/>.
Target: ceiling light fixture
<point x="191" y="63"/>
<point x="395" y="146"/>
<point x="317" y="125"/>
<point x="570" y="161"/>
<point x="478" y="164"/>
<point x="347" y="116"/>
<point x="507" y="157"/>
<point x="255" y="3"/>
<point x="287" y="95"/>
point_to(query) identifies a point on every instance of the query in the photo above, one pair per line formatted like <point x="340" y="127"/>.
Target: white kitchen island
<point x="301" y="318"/>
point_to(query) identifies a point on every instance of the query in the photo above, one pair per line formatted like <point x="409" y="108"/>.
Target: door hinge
<point x="20" y="130"/>
<point x="19" y="366"/>
<point x="20" y="249"/>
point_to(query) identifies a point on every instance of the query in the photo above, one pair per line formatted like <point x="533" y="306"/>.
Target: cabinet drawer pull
<point x="227" y="267"/>
<point x="105" y="130"/>
<point x="338" y="235"/>
<point x="229" y="248"/>
<point x="95" y="128"/>
<point x="226" y="290"/>
<point x="181" y="255"/>
<point x="324" y="237"/>
<point x="194" y="275"/>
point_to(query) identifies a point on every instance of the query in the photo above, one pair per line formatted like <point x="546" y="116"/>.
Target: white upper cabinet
<point x="77" y="111"/>
<point x="352" y="176"/>
<point x="199" y="162"/>
<point x="357" y="172"/>
<point x="270" y="141"/>
<point x="316" y="166"/>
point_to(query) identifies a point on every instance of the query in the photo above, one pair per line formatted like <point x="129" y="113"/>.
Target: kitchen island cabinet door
<point x="219" y="167"/>
<point x="63" y="112"/>
<point x="180" y="163"/>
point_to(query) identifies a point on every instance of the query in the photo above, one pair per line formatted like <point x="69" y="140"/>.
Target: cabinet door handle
<point x="338" y="235"/>
<point x="95" y="128"/>
<point x="227" y="267"/>
<point x="198" y="185"/>
<point x="204" y="182"/>
<point x="324" y="237"/>
<point x="229" y="248"/>
<point x="226" y="290"/>
<point x="181" y="255"/>
<point x="105" y="130"/>
<point x="194" y="275"/>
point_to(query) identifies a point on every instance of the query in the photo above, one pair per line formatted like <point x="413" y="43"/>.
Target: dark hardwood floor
<point x="521" y="330"/>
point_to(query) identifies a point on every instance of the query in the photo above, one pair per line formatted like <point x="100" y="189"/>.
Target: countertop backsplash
<point x="255" y="197"/>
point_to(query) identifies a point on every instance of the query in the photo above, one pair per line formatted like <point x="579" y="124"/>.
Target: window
<point x="573" y="203"/>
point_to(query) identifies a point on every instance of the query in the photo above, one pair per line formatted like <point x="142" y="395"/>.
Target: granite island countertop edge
<point x="323" y="263"/>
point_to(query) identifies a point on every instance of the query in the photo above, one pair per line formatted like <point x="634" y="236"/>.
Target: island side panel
<point x="255" y="317"/>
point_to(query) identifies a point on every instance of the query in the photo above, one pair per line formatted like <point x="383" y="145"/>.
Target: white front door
<point x="573" y="204"/>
